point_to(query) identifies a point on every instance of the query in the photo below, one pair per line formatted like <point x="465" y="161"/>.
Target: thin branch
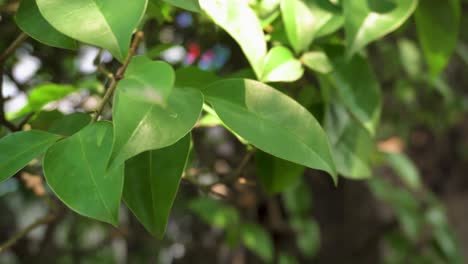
<point x="9" y="51"/>
<point x="238" y="171"/>
<point x="44" y="220"/>
<point x="119" y="74"/>
<point x="3" y="57"/>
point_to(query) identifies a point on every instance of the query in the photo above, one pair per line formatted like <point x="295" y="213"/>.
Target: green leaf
<point x="194" y="77"/>
<point x="44" y="94"/>
<point x="438" y="24"/>
<point x="405" y="168"/>
<point x="317" y="61"/>
<point x="257" y="239"/>
<point x="308" y="235"/>
<point x="30" y="20"/>
<point x="298" y="200"/>
<point x="410" y="58"/>
<point x="18" y="149"/>
<point x="151" y="182"/>
<point x="303" y="19"/>
<point x="271" y="121"/>
<point x="70" y="124"/>
<point x="76" y="170"/>
<point x="191" y="5"/>
<point x="352" y="145"/>
<point x="141" y="126"/>
<point x="369" y="20"/>
<point x="287" y="259"/>
<point x="277" y="175"/>
<point x="281" y="66"/>
<point x="240" y="21"/>
<point x="44" y="119"/>
<point x="148" y="81"/>
<point x="215" y="212"/>
<point x="358" y="89"/>
<point x="108" y="24"/>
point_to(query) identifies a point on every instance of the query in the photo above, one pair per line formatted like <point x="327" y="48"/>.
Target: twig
<point x="238" y="171"/>
<point x="9" y="51"/>
<point x="46" y="219"/>
<point x="119" y="74"/>
<point x="3" y="57"/>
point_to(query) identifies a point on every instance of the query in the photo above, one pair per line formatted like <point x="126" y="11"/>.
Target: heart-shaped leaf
<point x="18" y="149"/>
<point x="303" y="19"/>
<point x="107" y="24"/>
<point x="368" y="20"/>
<point x="31" y="21"/>
<point x="76" y="170"/>
<point x="271" y="121"/>
<point x="141" y="126"/>
<point x="438" y="23"/>
<point x="147" y="80"/>
<point x="240" y="21"/>
<point x="281" y="66"/>
<point x="151" y="182"/>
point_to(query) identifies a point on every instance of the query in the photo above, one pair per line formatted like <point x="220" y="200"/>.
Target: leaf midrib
<point x="91" y="173"/>
<point x="277" y="127"/>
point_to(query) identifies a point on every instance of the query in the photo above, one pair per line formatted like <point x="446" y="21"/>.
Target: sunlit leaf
<point x="140" y="126"/>
<point x="31" y="21"/>
<point x="281" y="66"/>
<point x="271" y="121"/>
<point x="239" y="20"/>
<point x="369" y="20"/>
<point x="303" y="19"/>
<point x="258" y="240"/>
<point x="107" y="24"/>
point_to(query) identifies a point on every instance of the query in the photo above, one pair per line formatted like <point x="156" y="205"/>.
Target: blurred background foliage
<point x="238" y="205"/>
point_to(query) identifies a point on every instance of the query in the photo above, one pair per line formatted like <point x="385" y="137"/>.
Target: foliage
<point x="306" y="96"/>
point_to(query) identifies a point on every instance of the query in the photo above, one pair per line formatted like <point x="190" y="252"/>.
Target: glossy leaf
<point x="281" y="66"/>
<point x="107" y="24"/>
<point x="191" y="5"/>
<point x="358" y="89"/>
<point x="438" y="24"/>
<point x="151" y="183"/>
<point x="255" y="238"/>
<point x="215" y="212"/>
<point x="18" y="149"/>
<point x="317" y="61"/>
<point x="277" y="175"/>
<point x="271" y="121"/>
<point x="70" y="124"/>
<point x="31" y="21"/>
<point x="75" y="169"/>
<point x="303" y="19"/>
<point x="369" y="20"/>
<point x="239" y="20"/>
<point x="141" y="126"/>
<point x="147" y="80"/>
